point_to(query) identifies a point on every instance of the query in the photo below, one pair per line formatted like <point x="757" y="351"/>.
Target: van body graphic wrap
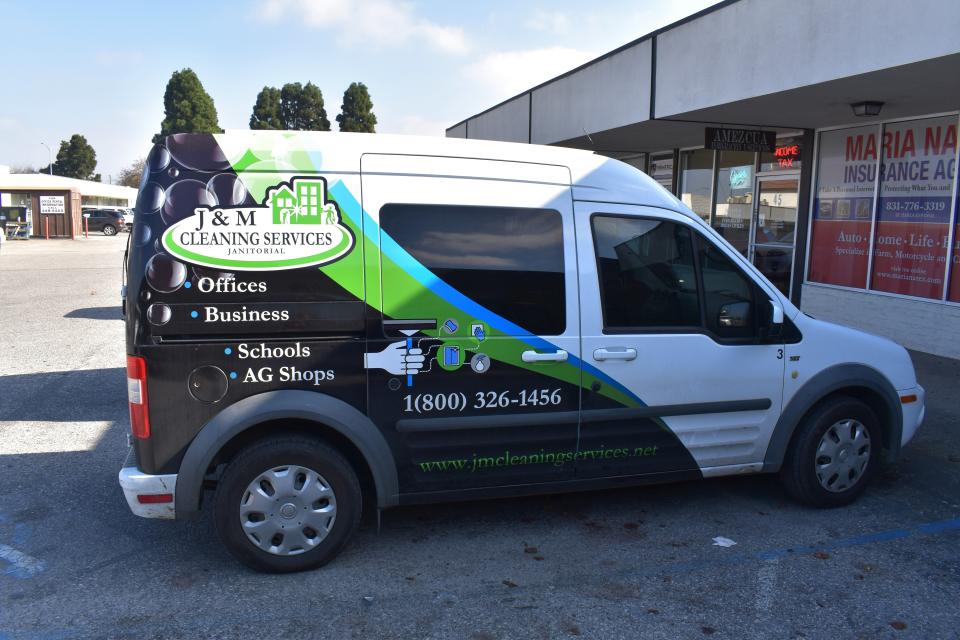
<point x="221" y="320"/>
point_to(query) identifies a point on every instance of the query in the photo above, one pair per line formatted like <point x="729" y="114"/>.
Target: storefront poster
<point x="913" y="210"/>
<point x="52" y="204"/>
<point x="661" y="170"/>
<point x="840" y="226"/>
<point x="954" y="292"/>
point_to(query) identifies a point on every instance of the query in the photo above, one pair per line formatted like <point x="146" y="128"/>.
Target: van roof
<point x="593" y="177"/>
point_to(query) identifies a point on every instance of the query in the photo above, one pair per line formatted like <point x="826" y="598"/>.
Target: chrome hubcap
<point x="288" y="510"/>
<point x="842" y="455"/>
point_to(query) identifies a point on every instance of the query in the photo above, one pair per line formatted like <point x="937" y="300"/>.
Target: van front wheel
<point x="287" y="504"/>
<point x="834" y="453"/>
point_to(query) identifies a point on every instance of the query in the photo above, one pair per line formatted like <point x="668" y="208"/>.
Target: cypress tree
<point x="356" y="113"/>
<point x="188" y="108"/>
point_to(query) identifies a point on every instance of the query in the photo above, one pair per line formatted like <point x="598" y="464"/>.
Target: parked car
<point x="127" y="218"/>
<point x="108" y="221"/>
<point x="494" y="319"/>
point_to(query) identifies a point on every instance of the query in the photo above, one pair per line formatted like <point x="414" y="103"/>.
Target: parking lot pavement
<point x="75" y="563"/>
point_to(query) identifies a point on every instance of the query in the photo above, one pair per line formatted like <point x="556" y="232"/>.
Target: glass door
<point x="774" y="228"/>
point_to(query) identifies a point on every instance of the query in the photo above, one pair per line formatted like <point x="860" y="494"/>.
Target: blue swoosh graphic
<point x="389" y="247"/>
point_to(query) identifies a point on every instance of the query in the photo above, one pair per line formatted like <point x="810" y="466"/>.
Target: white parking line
<point x="766" y="586"/>
<point x="21" y="564"/>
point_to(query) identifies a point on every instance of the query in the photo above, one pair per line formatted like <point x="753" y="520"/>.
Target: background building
<point x="41" y="197"/>
<point x="819" y="137"/>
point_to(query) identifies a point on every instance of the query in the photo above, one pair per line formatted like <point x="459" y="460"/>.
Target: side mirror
<point x="776" y="316"/>
<point x="776" y="320"/>
<point x="734" y="314"/>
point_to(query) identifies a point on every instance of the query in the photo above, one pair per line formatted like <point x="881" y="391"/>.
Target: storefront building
<point x="825" y="153"/>
<point x="52" y="205"/>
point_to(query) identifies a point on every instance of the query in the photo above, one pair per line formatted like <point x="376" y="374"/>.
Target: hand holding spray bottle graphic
<point x="398" y="358"/>
<point x="402" y="358"/>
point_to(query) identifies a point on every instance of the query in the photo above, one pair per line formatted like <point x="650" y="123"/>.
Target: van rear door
<point x="473" y="369"/>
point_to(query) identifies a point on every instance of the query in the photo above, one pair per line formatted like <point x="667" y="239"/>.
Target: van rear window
<point x="510" y="260"/>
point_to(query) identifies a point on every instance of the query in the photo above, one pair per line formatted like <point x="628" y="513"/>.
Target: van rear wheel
<point x="834" y="453"/>
<point x="287" y="504"/>
<point x="109" y="230"/>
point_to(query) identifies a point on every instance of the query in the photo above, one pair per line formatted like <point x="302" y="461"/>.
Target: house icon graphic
<point x="303" y="201"/>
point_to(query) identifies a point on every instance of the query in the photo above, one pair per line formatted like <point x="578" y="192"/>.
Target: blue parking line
<point x="929" y="528"/>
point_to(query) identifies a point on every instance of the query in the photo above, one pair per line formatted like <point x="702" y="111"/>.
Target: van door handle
<point x="534" y="356"/>
<point x="615" y="353"/>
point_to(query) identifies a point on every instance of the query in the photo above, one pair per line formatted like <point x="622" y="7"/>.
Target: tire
<point x="832" y="470"/>
<point x="307" y="537"/>
<point x="109" y="230"/>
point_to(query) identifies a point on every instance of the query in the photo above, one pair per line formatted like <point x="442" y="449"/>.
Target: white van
<point x="320" y="322"/>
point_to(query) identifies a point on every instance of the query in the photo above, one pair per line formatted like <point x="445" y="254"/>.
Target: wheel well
<point x="870" y="398"/>
<point x="295" y="426"/>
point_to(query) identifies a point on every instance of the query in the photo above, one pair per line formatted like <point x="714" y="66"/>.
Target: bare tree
<point x="130" y="176"/>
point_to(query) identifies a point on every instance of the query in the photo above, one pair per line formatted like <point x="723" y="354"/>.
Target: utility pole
<point x="49" y="157"/>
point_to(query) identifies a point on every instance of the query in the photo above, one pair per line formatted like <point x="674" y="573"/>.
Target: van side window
<point x="728" y="294"/>
<point x="647" y="273"/>
<point x="509" y="260"/>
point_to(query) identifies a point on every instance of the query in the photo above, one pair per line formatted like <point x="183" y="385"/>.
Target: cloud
<point x="507" y="73"/>
<point x="549" y="21"/>
<point x="110" y="58"/>
<point x="373" y="23"/>
<point x="414" y="126"/>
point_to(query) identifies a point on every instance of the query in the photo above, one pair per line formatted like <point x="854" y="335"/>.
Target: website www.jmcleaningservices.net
<point x="556" y="458"/>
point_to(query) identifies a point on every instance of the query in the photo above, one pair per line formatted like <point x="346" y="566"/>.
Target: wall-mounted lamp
<point x="866" y="109"/>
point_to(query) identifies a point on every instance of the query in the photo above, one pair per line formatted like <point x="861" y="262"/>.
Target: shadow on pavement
<point x="96" y="313"/>
<point x="64" y="396"/>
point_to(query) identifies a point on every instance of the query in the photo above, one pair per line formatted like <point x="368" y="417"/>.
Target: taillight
<point x="137" y="397"/>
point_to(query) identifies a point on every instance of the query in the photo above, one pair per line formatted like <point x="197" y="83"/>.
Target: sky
<point x="100" y="68"/>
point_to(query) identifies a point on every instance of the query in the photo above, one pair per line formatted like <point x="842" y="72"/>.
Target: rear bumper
<point x="138" y="486"/>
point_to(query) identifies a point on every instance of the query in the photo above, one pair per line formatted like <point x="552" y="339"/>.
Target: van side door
<point x="473" y="352"/>
<point x="673" y="318"/>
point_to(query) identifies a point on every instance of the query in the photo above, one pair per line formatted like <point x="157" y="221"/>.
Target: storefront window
<point x="103" y="201"/>
<point x="953" y="295"/>
<point x="913" y="210"/>
<point x="734" y="199"/>
<point x="661" y="169"/>
<point x="638" y="161"/>
<point x="915" y="186"/>
<point x="840" y="234"/>
<point x="786" y="155"/>
<point x="696" y="180"/>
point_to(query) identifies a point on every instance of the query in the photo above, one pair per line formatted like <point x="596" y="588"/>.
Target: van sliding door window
<point x="509" y="260"/>
<point x="647" y="274"/>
